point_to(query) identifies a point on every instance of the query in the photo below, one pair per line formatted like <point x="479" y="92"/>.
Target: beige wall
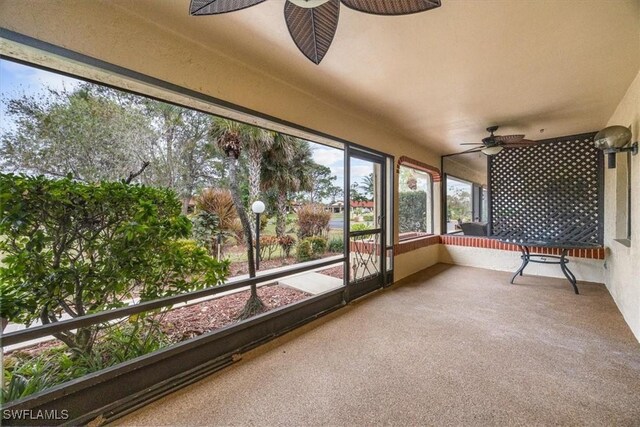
<point x="589" y="270"/>
<point x="622" y="267"/>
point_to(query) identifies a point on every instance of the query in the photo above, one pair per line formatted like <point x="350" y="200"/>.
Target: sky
<point x="17" y="80"/>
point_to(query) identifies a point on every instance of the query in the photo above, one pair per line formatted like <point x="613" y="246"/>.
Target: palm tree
<point x="232" y="137"/>
<point x="286" y="168"/>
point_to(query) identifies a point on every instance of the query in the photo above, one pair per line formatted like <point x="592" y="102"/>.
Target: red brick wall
<point x="484" y="243"/>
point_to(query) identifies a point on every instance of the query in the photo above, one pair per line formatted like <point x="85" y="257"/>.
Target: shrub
<point x="413" y="211"/>
<point x="218" y="202"/>
<point x="304" y="251"/>
<point x="311" y="248"/>
<point x="368" y="217"/>
<point x="25" y="374"/>
<point x="268" y="245"/>
<point x="286" y="244"/>
<point x="318" y="245"/>
<point x="336" y="245"/>
<point x="83" y="248"/>
<point x="206" y="230"/>
<point x="313" y="220"/>
<point x="358" y="227"/>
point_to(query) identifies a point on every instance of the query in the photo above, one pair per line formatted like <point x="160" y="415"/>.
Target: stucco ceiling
<point x="441" y="77"/>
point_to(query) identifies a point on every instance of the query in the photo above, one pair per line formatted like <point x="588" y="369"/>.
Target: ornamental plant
<point x="78" y="248"/>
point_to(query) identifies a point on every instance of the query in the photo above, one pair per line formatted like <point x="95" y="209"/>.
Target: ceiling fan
<point x="312" y="23"/>
<point x="493" y="144"/>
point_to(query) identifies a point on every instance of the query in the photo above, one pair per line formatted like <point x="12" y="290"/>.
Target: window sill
<point x="415" y="243"/>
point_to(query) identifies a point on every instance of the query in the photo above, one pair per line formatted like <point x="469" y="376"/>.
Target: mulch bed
<point x="191" y="321"/>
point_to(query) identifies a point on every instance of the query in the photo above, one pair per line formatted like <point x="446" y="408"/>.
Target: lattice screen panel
<point x="549" y="191"/>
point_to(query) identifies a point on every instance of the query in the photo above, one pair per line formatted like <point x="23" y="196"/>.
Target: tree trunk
<point x="281" y="215"/>
<point x="185" y="205"/>
<point x="254" y="305"/>
<point x="254" y="165"/>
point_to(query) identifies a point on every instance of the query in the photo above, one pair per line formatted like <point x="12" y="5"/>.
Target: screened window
<point x="416" y="203"/>
<point x="459" y="203"/>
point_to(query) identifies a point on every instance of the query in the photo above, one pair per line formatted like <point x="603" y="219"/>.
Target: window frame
<point x="434" y="176"/>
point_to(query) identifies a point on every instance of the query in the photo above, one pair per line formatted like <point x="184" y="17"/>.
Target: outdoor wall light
<point x="612" y="140"/>
<point x="257" y="207"/>
<point x="492" y="151"/>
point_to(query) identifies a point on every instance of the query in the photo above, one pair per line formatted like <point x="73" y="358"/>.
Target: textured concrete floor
<point x="450" y="345"/>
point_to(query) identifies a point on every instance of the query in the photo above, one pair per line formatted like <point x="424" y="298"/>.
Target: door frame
<point x="356" y="290"/>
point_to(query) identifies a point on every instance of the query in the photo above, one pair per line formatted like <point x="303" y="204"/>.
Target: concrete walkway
<point x="312" y="283"/>
<point x="451" y="345"/>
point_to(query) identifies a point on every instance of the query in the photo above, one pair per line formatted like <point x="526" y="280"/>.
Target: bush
<point x="311" y="248"/>
<point x="25" y="374"/>
<point x="83" y="248"/>
<point x="219" y="203"/>
<point x="336" y="245"/>
<point x="286" y="244"/>
<point x="313" y="220"/>
<point x="206" y="230"/>
<point x="318" y="245"/>
<point x="368" y="217"/>
<point x="413" y="211"/>
<point x="268" y="245"/>
<point x="358" y="227"/>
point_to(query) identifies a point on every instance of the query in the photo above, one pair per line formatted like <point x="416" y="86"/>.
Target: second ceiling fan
<point x="493" y="144"/>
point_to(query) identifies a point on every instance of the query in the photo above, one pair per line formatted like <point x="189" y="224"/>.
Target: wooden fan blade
<point x="395" y="7"/>
<point x="508" y="138"/>
<point x="312" y="29"/>
<point x="215" y="7"/>
<point x="521" y="143"/>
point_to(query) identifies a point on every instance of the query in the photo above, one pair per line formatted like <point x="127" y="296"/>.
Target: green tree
<point x="322" y="186"/>
<point x="285" y="171"/>
<point x="93" y="137"/>
<point x="98" y="133"/>
<point x="77" y="249"/>
<point x="232" y="137"/>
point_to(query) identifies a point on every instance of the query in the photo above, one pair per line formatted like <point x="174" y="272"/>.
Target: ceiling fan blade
<point x="312" y="29"/>
<point x="214" y="7"/>
<point x="508" y="138"/>
<point x="395" y="7"/>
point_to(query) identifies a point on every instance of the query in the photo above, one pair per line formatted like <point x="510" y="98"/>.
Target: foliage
<point x="458" y="205"/>
<point x="268" y="245"/>
<point x="412" y="211"/>
<point x="206" y="230"/>
<point x="280" y="180"/>
<point x="25" y="374"/>
<point x="336" y="245"/>
<point x="358" y="227"/>
<point x="231" y="138"/>
<point x="368" y="217"/>
<point x="313" y="220"/>
<point x="97" y="133"/>
<point x="14" y="299"/>
<point x="322" y="184"/>
<point x="286" y="244"/>
<point x="219" y="203"/>
<point x="367" y="186"/>
<point x="311" y="248"/>
<point x="80" y="249"/>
